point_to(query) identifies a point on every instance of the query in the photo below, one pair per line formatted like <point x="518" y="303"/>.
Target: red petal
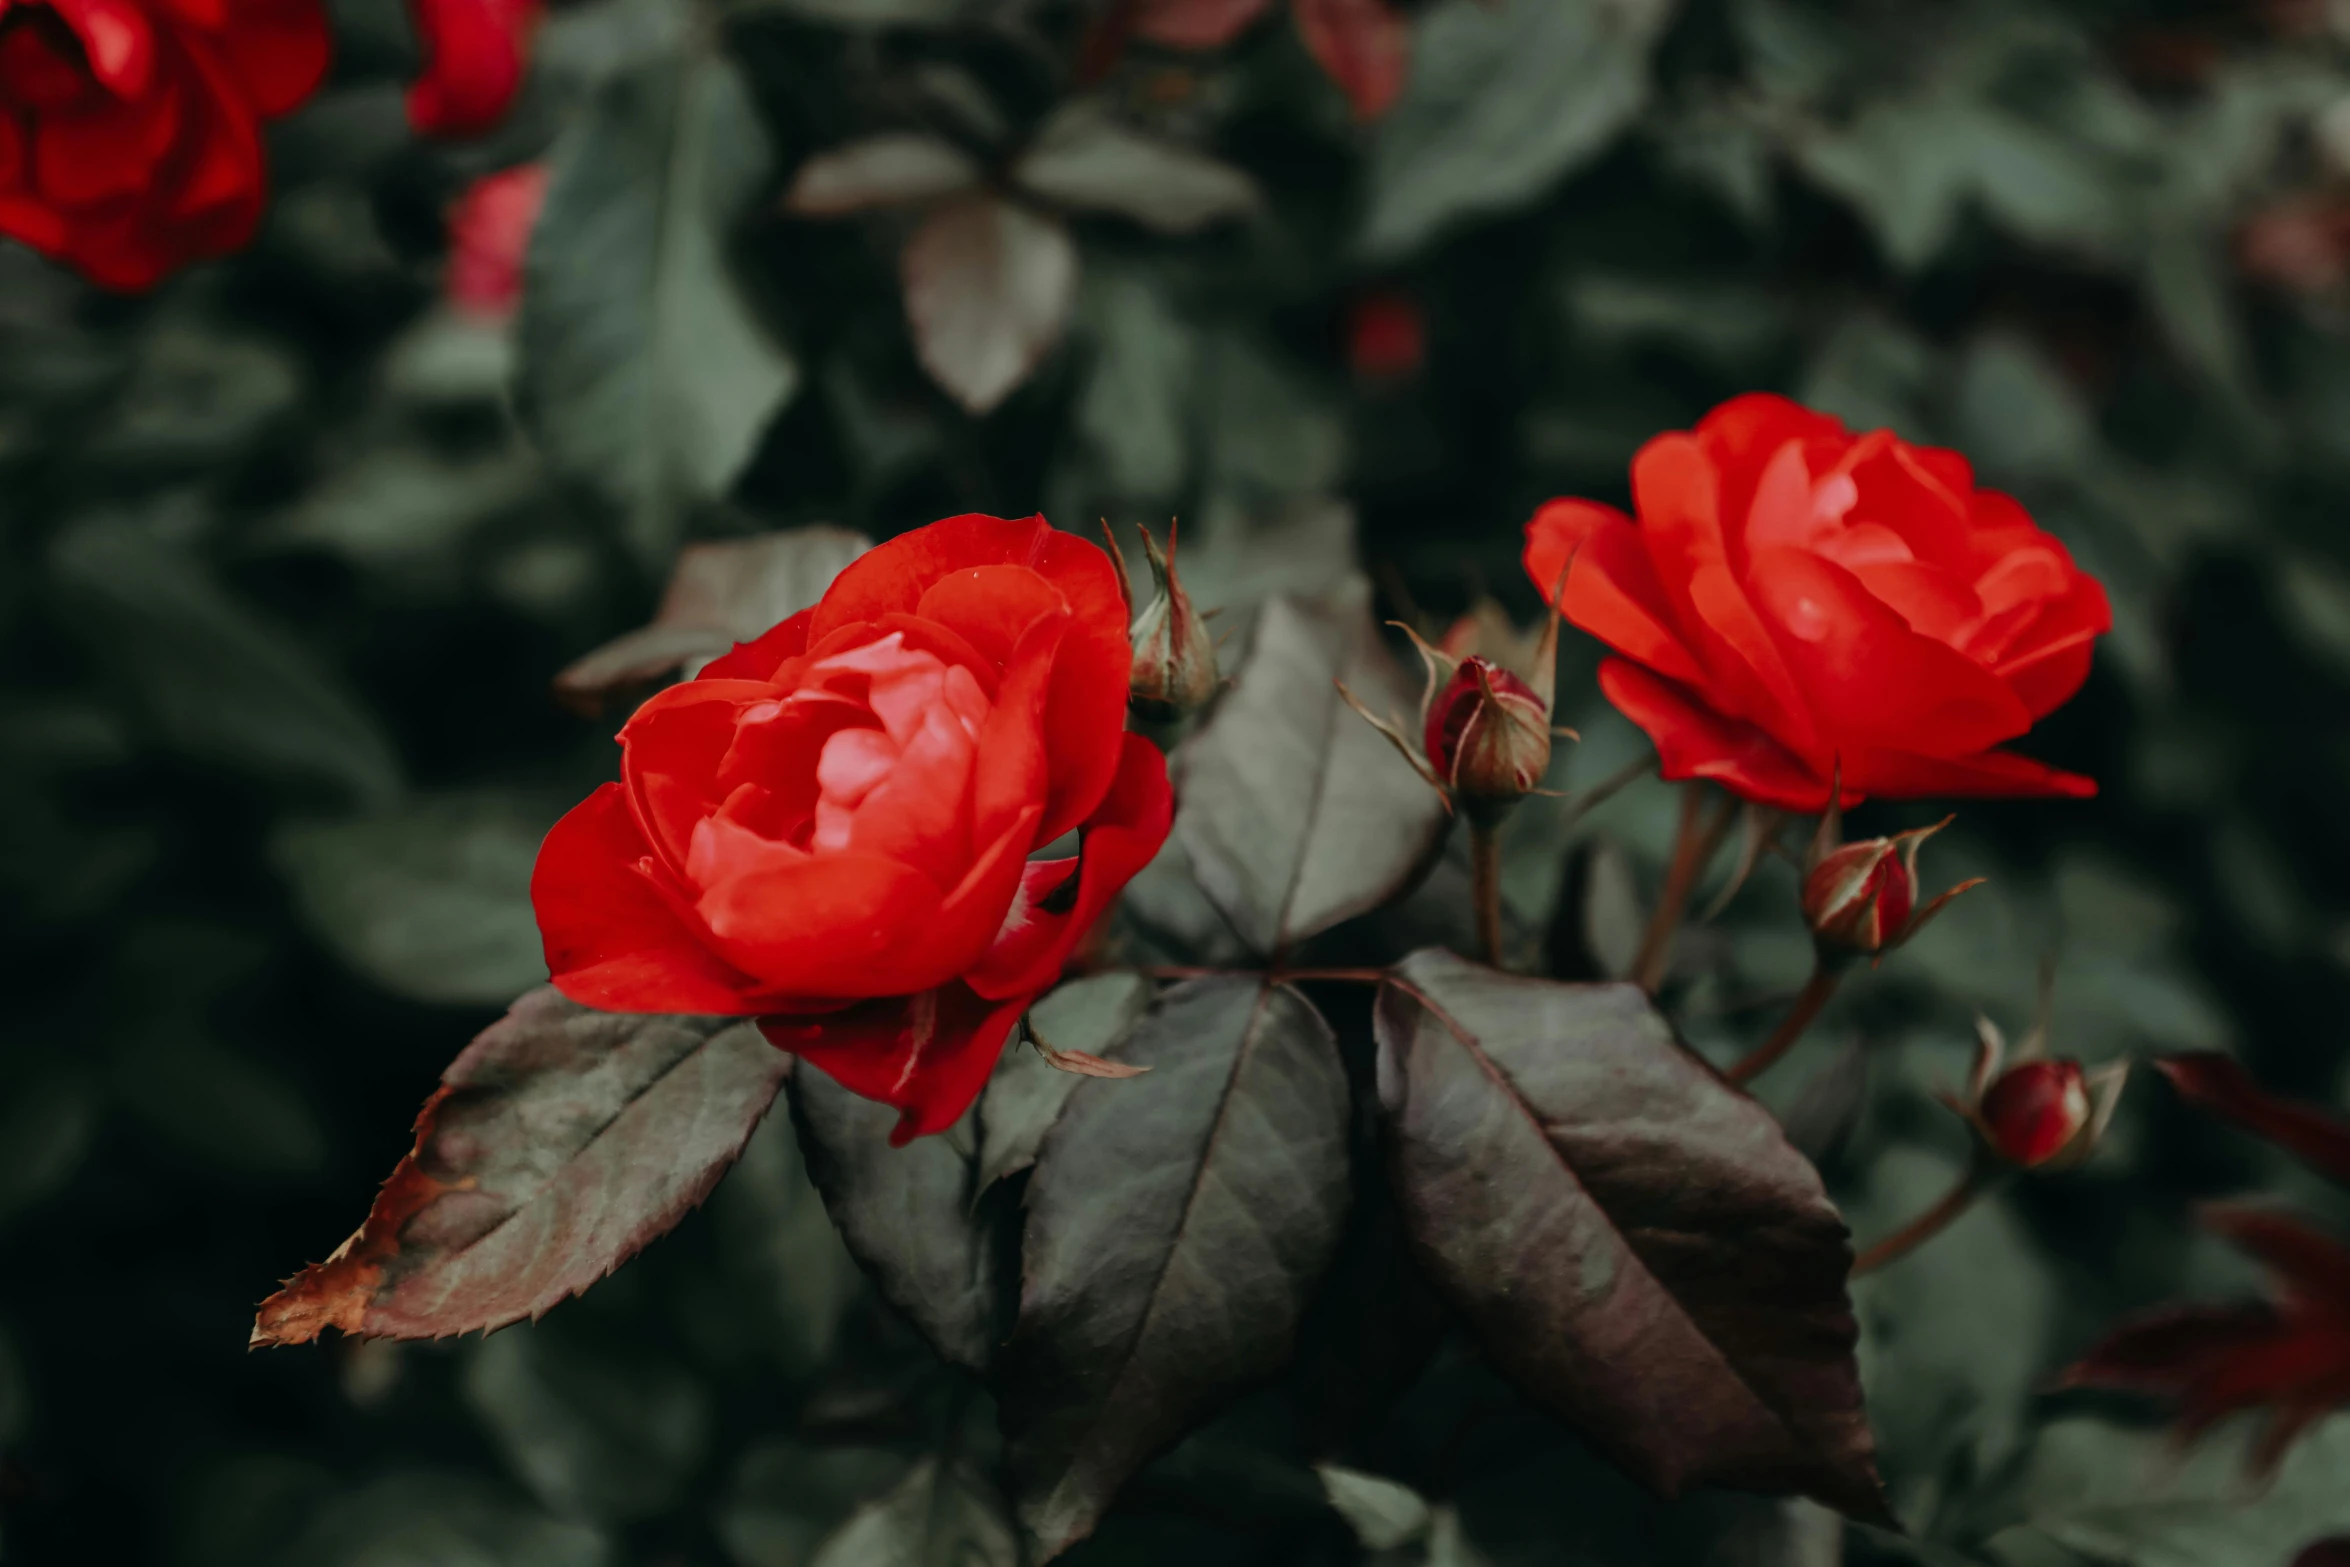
<point x="672" y="751"/>
<point x="928" y="1055"/>
<point x="1014" y="767"/>
<point x="1087" y="709"/>
<point x="612" y="943"/>
<point x="1035" y="942"/>
<point x="1612" y="591"/>
<point x="111" y="150"/>
<point x="2317" y="1137"/>
<point x="1677" y="489"/>
<point x="1196" y="24"/>
<point x="1365" y="45"/>
<point x="474" y="53"/>
<point x="1874" y="681"/>
<point x="1902" y="775"/>
<point x="117" y="40"/>
<point x="759" y="658"/>
<point x="1693" y="741"/>
<point x="278" y="50"/>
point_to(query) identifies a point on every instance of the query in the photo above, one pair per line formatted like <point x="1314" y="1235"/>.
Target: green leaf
<point x="988" y="289"/>
<point x="893" y="169"/>
<point x="1633" y="1240"/>
<point x="1383" y="1513"/>
<point x="2130" y="1497"/>
<point x="1296" y="813"/>
<point x="431" y="901"/>
<point x="941" y="1515"/>
<point x="645" y="374"/>
<point x="593" y="1436"/>
<point x="1503" y="100"/>
<point x="1083" y="158"/>
<point x="1177" y="1226"/>
<point x="1135" y="409"/>
<point x="219" y="1104"/>
<point x="916" y="1218"/>
<point x="561" y="1142"/>
<point x="407" y="1520"/>
<point x="216" y="681"/>
<point x="798" y="1279"/>
<point x="1025" y="1094"/>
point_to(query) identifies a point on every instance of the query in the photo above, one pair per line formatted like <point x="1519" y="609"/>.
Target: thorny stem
<point x="1925" y="1226"/>
<point x="1808" y="1001"/>
<point x="1485" y="878"/>
<point x="1694" y="846"/>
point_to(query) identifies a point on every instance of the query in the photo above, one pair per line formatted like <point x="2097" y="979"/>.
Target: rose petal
<point x="927" y="1055"/>
<point x="278" y="50"/>
<point x="763" y="655"/>
<point x="611" y="941"/>
<point x="1124" y="835"/>
<point x="1875" y="681"/>
<point x="1898" y="775"/>
<point x="1612" y="592"/>
<point x="474" y="52"/>
<point x="1694" y="741"/>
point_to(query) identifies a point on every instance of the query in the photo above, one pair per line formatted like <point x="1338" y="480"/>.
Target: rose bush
<point x="1795" y="599"/>
<point x="130" y="130"/>
<point x="831" y="827"/>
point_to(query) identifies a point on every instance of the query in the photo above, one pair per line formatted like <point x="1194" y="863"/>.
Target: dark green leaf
<point x="1634" y="1240"/>
<point x="217" y="681"/>
<point x="561" y="1142"/>
<point x="892" y="169"/>
<point x="1177" y="1226"/>
<point x="431" y="901"/>
<point x="645" y="373"/>
<point x="406" y="1520"/>
<point x="1083" y="158"/>
<point x="592" y="1436"/>
<point x="1025" y="1094"/>
<point x="941" y="1515"/>
<point x="912" y="1216"/>
<point x="781" y="1243"/>
<point x="1502" y="100"/>
<point x="1296" y="813"/>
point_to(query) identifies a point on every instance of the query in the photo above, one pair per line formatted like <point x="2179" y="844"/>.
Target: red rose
<point x="489" y="232"/>
<point x="130" y="130"/>
<point x="831" y="827"/>
<point x="474" y="52"/>
<point x="1795" y="599"/>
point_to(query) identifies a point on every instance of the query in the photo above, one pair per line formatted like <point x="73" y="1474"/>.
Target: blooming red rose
<point x="130" y="130"/>
<point x="474" y="52"/>
<point x="489" y="232"/>
<point x="1795" y="598"/>
<point x="831" y="827"/>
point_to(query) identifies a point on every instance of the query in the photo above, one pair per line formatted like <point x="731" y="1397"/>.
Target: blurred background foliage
<point x="294" y="548"/>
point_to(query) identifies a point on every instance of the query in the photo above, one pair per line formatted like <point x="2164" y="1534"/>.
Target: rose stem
<point x="1693" y="850"/>
<point x="1924" y="1227"/>
<point x="1485" y="877"/>
<point x="1814" y="995"/>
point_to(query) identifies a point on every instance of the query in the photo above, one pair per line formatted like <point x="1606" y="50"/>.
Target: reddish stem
<point x="1485" y="879"/>
<point x="1808" y="1001"/>
<point x="1694" y="846"/>
<point x="1923" y="1228"/>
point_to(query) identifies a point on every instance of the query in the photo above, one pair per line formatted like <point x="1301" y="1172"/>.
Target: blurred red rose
<point x="489" y="232"/>
<point x="830" y="828"/>
<point x="1386" y="337"/>
<point x="130" y="130"/>
<point x="1795" y="599"/>
<point x="474" y="52"/>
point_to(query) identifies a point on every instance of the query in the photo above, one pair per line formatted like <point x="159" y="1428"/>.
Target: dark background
<point x="285" y="583"/>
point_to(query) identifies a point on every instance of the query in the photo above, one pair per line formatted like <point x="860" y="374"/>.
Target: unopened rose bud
<point x="2035" y="1110"/>
<point x="1174" y="657"/>
<point x="1861" y="899"/>
<point x="1487" y="737"/>
<point x="2038" y="1110"/>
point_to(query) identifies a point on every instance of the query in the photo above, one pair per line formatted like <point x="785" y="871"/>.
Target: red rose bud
<point x="1861" y="899"/>
<point x="1174" y="657"/>
<point x="2035" y="1110"/>
<point x="1487" y="737"/>
<point x="2039" y="1111"/>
